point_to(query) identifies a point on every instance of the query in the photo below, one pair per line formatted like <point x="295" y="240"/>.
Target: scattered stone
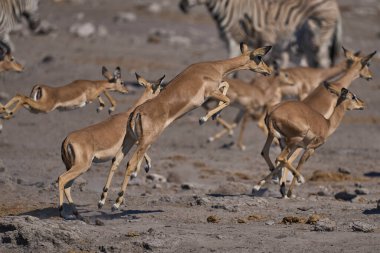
<point x="344" y="195"/>
<point x="156" y="178"/>
<point x="83" y="30"/>
<point x="219" y="237"/>
<point x="230" y="208"/>
<point x="344" y="171"/>
<point x="255" y="217"/>
<point x="19" y="181"/>
<point x="173" y="177"/>
<point x="154" y="8"/>
<point x="293" y="219"/>
<point x="157" y="186"/>
<point x="329" y="176"/>
<point x="269" y="222"/>
<point x="313" y="219"/>
<point x="362" y="227"/>
<point x="133" y="234"/>
<point x="47" y="59"/>
<point x="44" y="28"/>
<point x="325" y="225"/>
<point x="180" y="41"/>
<point x="240" y="220"/>
<point x="187" y="186"/>
<point x="102" y="31"/>
<point x="125" y="17"/>
<point x="99" y="222"/>
<point x="323" y="191"/>
<point x="200" y="201"/>
<point x="304" y="208"/>
<point x="362" y="191"/>
<point x="213" y="219"/>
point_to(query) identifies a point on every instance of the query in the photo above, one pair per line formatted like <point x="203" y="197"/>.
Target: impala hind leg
<point x="224" y="102"/>
<point x="242" y="129"/>
<point x="228" y="128"/>
<point x="64" y="184"/>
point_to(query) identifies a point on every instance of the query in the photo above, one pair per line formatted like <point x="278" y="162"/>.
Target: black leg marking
<point x="120" y="194"/>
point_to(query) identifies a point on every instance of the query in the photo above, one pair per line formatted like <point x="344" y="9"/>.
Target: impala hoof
<point x="111" y="110"/>
<point x="256" y="189"/>
<point x="202" y="120"/>
<point x="283" y="190"/>
<point x="100" y="204"/>
<point x="133" y="175"/>
<point x="115" y="207"/>
<point x="147" y="168"/>
<point x="242" y="147"/>
<point x="210" y="139"/>
<point x="216" y="115"/>
<point x="301" y="179"/>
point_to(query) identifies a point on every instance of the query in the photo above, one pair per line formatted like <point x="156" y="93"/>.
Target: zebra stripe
<point x="276" y="22"/>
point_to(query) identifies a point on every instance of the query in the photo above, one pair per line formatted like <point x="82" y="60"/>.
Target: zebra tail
<point x="336" y="41"/>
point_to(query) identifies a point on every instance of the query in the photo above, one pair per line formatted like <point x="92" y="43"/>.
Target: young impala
<point x="44" y="98"/>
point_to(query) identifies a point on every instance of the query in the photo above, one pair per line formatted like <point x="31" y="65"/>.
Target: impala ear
<point x="262" y="51"/>
<point x="117" y="73"/>
<point x="141" y="80"/>
<point x="367" y="58"/>
<point x="348" y="54"/>
<point x="343" y="93"/>
<point x="158" y="84"/>
<point x="244" y="48"/>
<point x="106" y="74"/>
<point x="331" y="89"/>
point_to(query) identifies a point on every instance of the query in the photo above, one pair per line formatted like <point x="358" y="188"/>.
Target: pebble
<point x="83" y="30"/>
<point x="187" y="186"/>
<point x="344" y="195"/>
<point x="269" y="223"/>
<point x="213" y="219"/>
<point x="125" y="17"/>
<point x="362" y="191"/>
<point x="154" y="8"/>
<point x="99" y="222"/>
<point x="156" y="178"/>
<point x="325" y="225"/>
<point x="362" y="227"/>
<point x="344" y="171"/>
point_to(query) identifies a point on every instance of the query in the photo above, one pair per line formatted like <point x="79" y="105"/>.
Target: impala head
<point x="361" y="63"/>
<point x="350" y="100"/>
<point x="282" y="76"/>
<point x="7" y="61"/>
<point x="153" y="87"/>
<point x="256" y="62"/>
<point x="115" y="79"/>
<point x="185" y="5"/>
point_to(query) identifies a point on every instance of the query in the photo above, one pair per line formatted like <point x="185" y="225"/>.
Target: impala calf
<point x="44" y="98"/>
<point x="98" y="143"/>
<point x="303" y="127"/>
<point x="186" y="92"/>
<point x="7" y="61"/>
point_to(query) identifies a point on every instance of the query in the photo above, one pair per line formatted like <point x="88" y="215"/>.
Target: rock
<point x="47" y="59"/>
<point x="323" y="191"/>
<point x="362" y="191"/>
<point x="154" y="8"/>
<point x="102" y="31"/>
<point x="313" y="219"/>
<point x="255" y="217"/>
<point x="173" y="177"/>
<point x="213" y="219"/>
<point x="44" y="28"/>
<point x="325" y="225"/>
<point x="156" y="178"/>
<point x="187" y="186"/>
<point x="344" y="195"/>
<point x="83" y="30"/>
<point x="269" y="223"/>
<point x="293" y="219"/>
<point x="132" y="234"/>
<point x="362" y="227"/>
<point x="180" y="41"/>
<point x="344" y="171"/>
<point x="240" y="220"/>
<point x="201" y="201"/>
<point x="125" y="17"/>
<point x="99" y="222"/>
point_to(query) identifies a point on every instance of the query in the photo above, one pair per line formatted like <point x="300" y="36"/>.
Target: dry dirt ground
<point x="206" y="204"/>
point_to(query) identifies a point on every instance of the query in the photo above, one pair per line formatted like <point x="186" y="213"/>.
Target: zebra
<point x="11" y="13"/>
<point x="298" y="29"/>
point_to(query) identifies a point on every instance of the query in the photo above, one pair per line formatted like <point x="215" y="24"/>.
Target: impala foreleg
<point x="101" y="104"/>
<point x="306" y="155"/>
<point x="132" y="164"/>
<point x="112" y="101"/>
<point x="242" y="129"/>
<point x="224" y="102"/>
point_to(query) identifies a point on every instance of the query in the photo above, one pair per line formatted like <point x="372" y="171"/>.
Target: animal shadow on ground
<point x="220" y="195"/>
<point x="129" y="214"/>
<point x="371" y="211"/>
<point x="372" y="174"/>
<point x="43" y="213"/>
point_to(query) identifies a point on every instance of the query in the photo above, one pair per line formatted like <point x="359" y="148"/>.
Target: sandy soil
<point x="169" y="217"/>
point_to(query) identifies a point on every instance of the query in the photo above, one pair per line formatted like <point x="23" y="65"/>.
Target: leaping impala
<point x="186" y="92"/>
<point x="98" y="143"/>
<point x="303" y="127"/>
<point x="44" y="98"/>
<point x="324" y="103"/>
